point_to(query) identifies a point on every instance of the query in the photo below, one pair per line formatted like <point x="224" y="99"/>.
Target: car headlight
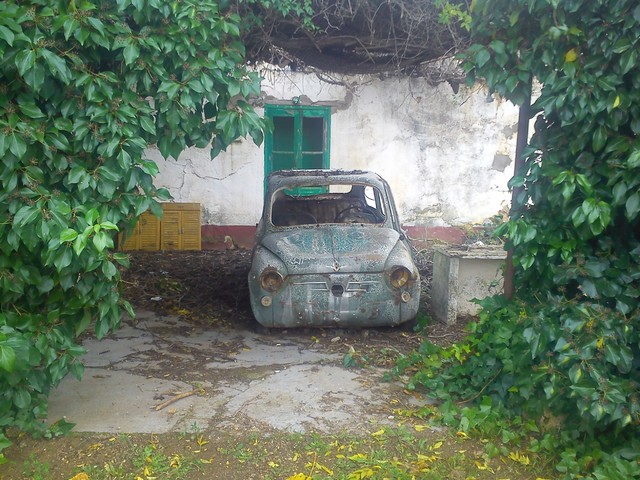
<point x="271" y="280"/>
<point x="399" y="277"/>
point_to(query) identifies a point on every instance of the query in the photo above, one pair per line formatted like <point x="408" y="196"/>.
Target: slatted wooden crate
<point x="179" y="229"/>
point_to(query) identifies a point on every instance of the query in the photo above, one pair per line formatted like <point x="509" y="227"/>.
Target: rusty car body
<point x="330" y="252"/>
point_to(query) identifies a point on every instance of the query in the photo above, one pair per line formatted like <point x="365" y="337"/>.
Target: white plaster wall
<point x="447" y="156"/>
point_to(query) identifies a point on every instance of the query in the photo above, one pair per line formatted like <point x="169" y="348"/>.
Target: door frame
<point x="298" y="112"/>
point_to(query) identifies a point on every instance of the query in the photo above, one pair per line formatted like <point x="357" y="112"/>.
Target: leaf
<point x="131" y="53"/>
<point x="7" y="358"/>
<point x="599" y="138"/>
<point x="31" y="110"/>
<point x="25" y="215"/>
<point x="148" y="124"/>
<point x="22" y="399"/>
<point x="91" y="216"/>
<point x="634" y="159"/>
<point x="575" y="373"/>
<point x="63" y="258"/>
<point x="619" y="191"/>
<point x="25" y="61"/>
<point x="8" y="36"/>
<point x="81" y="241"/>
<point x="68" y="235"/>
<point x="45" y="285"/>
<point x="101" y="241"/>
<point x="17" y="146"/>
<point x="57" y="65"/>
<point x="109" y="270"/>
<point x="571" y="55"/>
<point x="632" y="206"/>
<point x="616" y="102"/>
<point x="628" y="60"/>
<point x="482" y="57"/>
<point x="589" y="288"/>
<point x="82" y="325"/>
<point x="171" y="88"/>
<point x="70" y="26"/>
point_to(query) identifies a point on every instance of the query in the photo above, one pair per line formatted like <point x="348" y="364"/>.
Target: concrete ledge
<point x="462" y="274"/>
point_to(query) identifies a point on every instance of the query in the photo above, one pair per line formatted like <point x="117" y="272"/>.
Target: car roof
<point x="281" y="178"/>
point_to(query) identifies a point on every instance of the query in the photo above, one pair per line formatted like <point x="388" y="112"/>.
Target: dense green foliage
<point x="85" y="87"/>
<point x="568" y="349"/>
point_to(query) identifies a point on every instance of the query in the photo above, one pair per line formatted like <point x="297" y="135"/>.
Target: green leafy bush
<point x="85" y="87"/>
<point x="567" y="352"/>
<point x="563" y="374"/>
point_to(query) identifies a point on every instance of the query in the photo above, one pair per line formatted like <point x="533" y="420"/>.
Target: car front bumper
<point x="348" y="300"/>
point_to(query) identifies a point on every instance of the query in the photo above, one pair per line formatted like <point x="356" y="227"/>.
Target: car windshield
<point x="337" y="203"/>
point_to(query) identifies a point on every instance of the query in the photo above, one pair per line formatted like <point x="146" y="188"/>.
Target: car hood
<point x="327" y="249"/>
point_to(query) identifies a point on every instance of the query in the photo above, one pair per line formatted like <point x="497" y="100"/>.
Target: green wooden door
<point x="299" y="139"/>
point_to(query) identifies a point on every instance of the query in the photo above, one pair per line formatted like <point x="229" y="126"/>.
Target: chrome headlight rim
<point x="399" y="276"/>
<point x="271" y="280"/>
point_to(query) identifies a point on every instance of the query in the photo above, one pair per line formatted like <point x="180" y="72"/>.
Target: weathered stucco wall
<point x="448" y="156"/>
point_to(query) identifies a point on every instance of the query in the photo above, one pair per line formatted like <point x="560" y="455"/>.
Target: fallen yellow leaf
<point x="80" y="476"/>
<point x="521" y="459"/>
<point x="299" y="476"/>
<point x="358" y="456"/>
<point x="315" y="465"/>
<point x="483" y="466"/>
<point x="360" y="474"/>
<point x="378" y="433"/>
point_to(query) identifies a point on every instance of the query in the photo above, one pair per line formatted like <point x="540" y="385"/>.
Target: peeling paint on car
<point x="330" y="252"/>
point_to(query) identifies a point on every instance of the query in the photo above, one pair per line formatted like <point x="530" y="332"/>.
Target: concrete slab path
<point x="219" y="378"/>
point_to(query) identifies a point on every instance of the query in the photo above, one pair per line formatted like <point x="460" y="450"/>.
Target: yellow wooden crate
<point x="179" y="229"/>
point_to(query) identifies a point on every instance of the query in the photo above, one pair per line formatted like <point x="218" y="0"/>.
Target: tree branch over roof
<point x="391" y="37"/>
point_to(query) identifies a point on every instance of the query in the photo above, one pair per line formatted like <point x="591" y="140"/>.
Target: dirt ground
<point x="210" y="288"/>
<point x="207" y="289"/>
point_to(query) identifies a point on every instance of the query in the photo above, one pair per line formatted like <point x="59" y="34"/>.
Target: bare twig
<point x="396" y="37"/>
<point x="175" y="398"/>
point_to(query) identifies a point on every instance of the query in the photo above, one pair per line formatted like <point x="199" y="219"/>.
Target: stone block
<point x="462" y="274"/>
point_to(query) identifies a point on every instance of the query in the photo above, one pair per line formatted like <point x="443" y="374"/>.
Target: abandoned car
<point x="330" y="252"/>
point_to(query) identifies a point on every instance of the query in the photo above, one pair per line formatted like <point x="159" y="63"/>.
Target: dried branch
<point x="397" y="37"/>
<point x="175" y="398"/>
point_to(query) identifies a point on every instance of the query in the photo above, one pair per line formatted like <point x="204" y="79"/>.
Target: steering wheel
<point x="360" y="213"/>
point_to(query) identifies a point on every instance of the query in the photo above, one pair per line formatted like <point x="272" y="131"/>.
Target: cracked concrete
<point x="260" y="381"/>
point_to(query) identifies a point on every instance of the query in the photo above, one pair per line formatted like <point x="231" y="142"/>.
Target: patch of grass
<point x="144" y="461"/>
<point x="35" y="470"/>
<point x="411" y="449"/>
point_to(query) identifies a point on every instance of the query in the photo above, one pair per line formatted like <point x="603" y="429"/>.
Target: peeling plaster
<point x="445" y="154"/>
<point x="501" y="162"/>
